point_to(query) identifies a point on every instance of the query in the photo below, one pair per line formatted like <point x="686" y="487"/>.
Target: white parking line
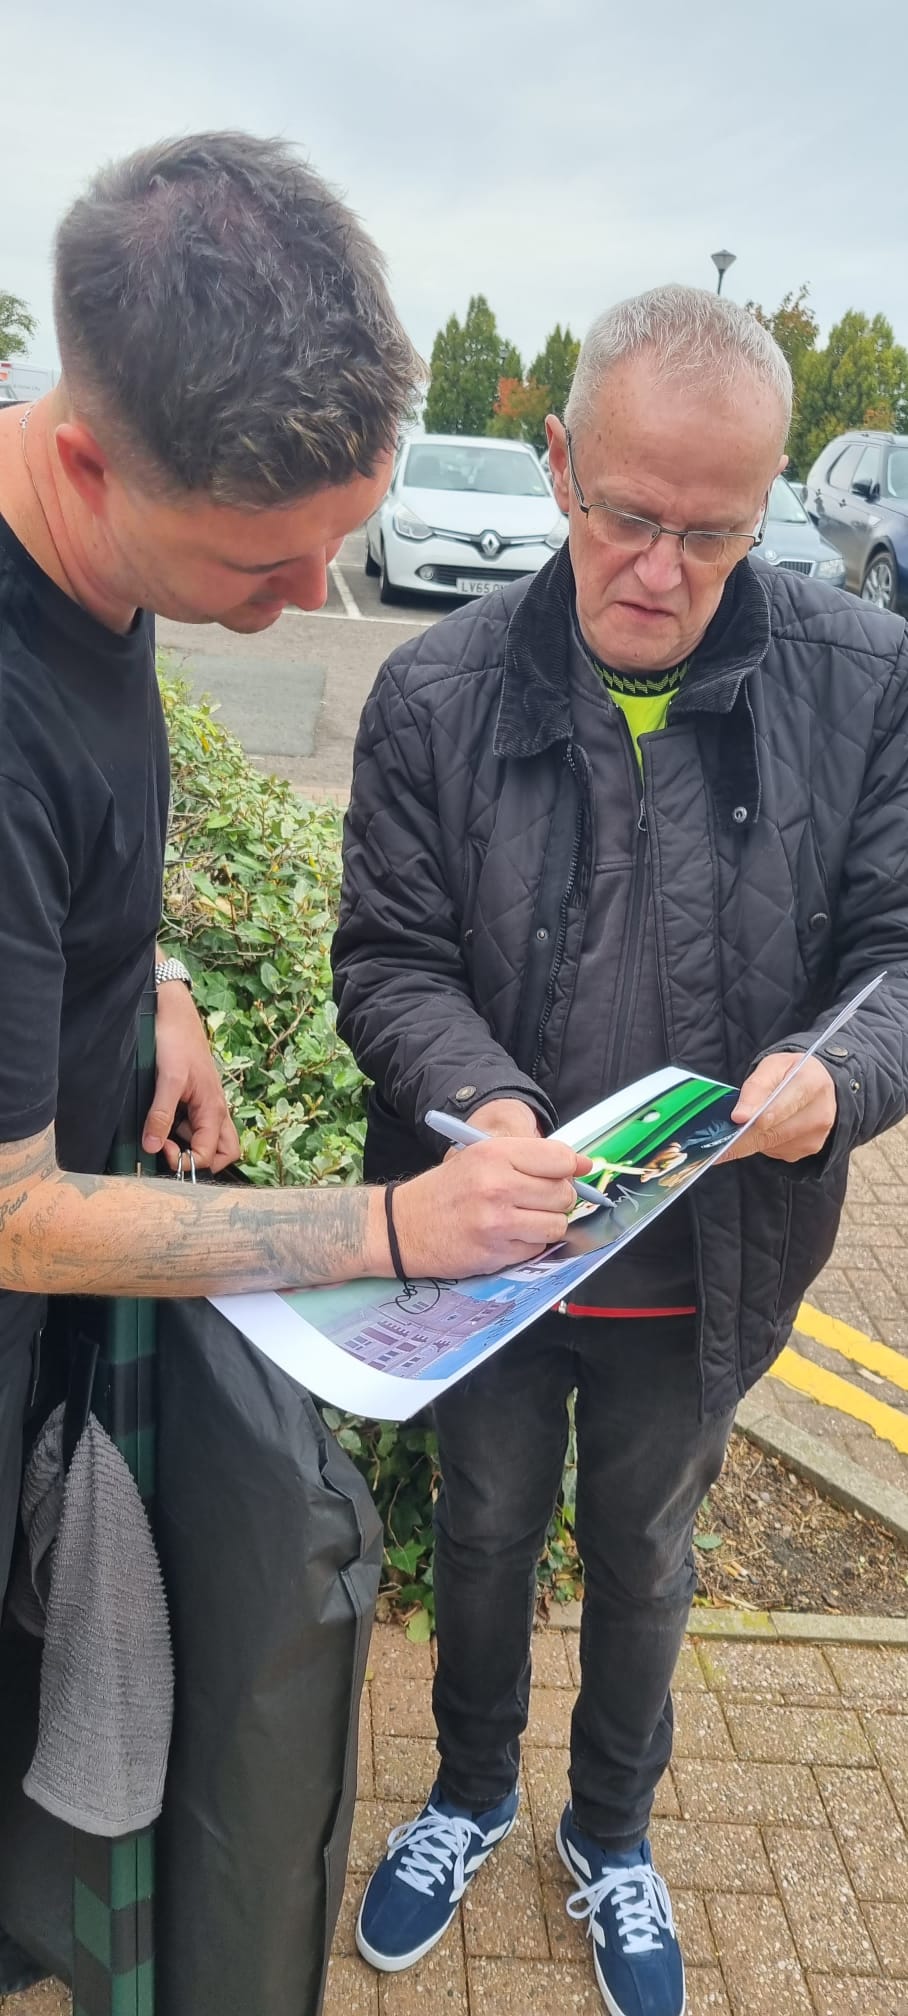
<point x="338" y="616"/>
<point x="350" y="608"/>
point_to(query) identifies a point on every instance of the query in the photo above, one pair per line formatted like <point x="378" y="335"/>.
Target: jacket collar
<point x="535" y="709"/>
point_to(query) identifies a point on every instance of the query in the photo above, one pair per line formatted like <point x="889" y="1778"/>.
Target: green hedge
<point x="251" y="894"/>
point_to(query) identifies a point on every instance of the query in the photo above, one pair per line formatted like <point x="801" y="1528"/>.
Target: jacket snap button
<point x="466" y="1092"/>
<point x="542" y="934"/>
<point x="739" y="815"/>
<point x="855" y="1084"/>
<point x="817" y="921"/>
<point x="836" y="1050"/>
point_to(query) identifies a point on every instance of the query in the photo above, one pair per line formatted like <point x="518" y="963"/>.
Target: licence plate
<point x="466" y="584"/>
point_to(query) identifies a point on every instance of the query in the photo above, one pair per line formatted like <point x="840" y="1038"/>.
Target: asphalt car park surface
<point x="294" y="693"/>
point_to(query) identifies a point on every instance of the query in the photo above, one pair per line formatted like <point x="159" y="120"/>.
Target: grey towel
<point x="106" y="1708"/>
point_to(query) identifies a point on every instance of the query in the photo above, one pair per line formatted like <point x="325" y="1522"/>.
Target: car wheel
<point x="880" y="585"/>
<point x="386" y="589"/>
<point x="372" y="566"/>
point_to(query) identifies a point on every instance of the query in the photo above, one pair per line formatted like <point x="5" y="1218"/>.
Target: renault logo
<point x="490" y="545"/>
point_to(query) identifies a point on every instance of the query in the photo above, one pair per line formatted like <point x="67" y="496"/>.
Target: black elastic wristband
<point x="393" y="1241"/>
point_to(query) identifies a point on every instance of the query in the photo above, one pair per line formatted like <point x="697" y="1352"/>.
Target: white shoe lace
<point x="435" y="1843"/>
<point x="641" y="1904"/>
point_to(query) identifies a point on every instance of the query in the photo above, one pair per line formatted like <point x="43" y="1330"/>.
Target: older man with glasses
<point x="649" y="806"/>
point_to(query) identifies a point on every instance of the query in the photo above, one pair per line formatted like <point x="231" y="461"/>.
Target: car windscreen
<point x="784" y="505"/>
<point x="486" y="471"/>
<point x="897" y="473"/>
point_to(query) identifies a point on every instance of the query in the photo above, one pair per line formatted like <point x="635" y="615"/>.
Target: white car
<point x="464" y="514"/>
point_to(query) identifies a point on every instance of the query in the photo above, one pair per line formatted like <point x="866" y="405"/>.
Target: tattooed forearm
<point x="23" y="1161"/>
<point x="9" y="1206"/>
<point x="97" y="1235"/>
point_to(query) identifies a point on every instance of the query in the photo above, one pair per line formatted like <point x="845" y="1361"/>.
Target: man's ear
<point x="84" y="463"/>
<point x="558" y="462"/>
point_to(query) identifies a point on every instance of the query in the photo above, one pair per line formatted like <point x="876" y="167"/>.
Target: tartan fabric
<point x="113" y="1890"/>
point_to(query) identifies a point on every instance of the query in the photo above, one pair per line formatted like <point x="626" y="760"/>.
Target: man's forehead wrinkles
<point x="624" y="495"/>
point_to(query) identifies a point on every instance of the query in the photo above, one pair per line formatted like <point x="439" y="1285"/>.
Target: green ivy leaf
<point x="405" y="1559"/>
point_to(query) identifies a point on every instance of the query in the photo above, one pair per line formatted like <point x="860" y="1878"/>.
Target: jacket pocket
<point x="813" y="910"/>
<point x="784" y="1271"/>
<point x="814" y="1211"/>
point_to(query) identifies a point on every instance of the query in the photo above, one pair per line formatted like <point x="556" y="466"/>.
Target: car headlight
<point x="558" y="534"/>
<point x="408" y="525"/>
<point x="832" y="569"/>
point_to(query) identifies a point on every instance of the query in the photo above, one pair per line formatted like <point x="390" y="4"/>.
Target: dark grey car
<point x="793" y="543"/>
<point x="857" y="495"/>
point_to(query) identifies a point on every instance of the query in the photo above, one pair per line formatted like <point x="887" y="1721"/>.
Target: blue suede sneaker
<point x="636" y="1954"/>
<point x="430" y="1864"/>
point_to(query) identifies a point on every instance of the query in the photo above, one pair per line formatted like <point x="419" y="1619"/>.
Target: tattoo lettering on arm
<point x="10" y="1206"/>
<point x="64" y="1233"/>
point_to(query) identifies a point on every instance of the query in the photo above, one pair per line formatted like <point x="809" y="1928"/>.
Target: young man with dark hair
<point x="234" y="378"/>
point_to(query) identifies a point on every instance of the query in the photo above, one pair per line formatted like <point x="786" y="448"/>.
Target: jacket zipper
<point x="566" y="901"/>
<point x="630" y="951"/>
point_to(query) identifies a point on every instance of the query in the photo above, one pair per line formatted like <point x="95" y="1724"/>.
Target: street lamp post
<point x="722" y="261"/>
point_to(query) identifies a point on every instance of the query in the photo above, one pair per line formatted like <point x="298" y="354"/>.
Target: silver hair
<point x="695" y="337"/>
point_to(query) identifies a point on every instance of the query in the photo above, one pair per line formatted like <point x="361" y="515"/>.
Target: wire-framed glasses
<point x="624" y="528"/>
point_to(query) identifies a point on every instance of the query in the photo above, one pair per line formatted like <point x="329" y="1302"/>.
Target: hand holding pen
<point x="463" y="1136"/>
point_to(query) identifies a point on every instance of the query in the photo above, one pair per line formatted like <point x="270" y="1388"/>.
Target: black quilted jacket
<point x="776" y="804"/>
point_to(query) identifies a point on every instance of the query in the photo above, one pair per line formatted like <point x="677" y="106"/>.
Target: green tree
<point x="469" y="360"/>
<point x="796" y="330"/>
<point x="17" y="325"/>
<point x="860" y="379"/>
<point x="794" y="326"/>
<point x="520" y="411"/>
<point x="555" y="366"/>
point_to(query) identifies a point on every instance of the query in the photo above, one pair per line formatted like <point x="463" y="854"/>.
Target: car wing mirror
<point x="862" y="487"/>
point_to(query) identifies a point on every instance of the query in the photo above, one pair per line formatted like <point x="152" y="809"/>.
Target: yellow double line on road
<point x="842" y="1394"/>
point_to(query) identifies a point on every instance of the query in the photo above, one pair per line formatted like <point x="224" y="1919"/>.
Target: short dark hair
<point x="224" y="320"/>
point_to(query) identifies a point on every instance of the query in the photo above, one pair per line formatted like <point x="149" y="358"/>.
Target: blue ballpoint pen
<point x="463" y="1136"/>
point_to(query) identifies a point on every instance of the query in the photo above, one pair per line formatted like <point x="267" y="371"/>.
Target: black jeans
<point x="645" y="1462"/>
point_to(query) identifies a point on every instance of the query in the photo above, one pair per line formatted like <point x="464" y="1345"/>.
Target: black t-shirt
<point x="84" y="790"/>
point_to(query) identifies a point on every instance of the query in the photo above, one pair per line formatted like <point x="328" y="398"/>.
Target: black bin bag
<point x="271" y="1551"/>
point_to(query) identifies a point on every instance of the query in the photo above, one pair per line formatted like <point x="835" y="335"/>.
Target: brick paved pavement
<point x="864" y="1285"/>
<point x="781" y="1829"/>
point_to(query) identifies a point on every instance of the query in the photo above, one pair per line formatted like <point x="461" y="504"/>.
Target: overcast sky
<point x="553" y="154"/>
